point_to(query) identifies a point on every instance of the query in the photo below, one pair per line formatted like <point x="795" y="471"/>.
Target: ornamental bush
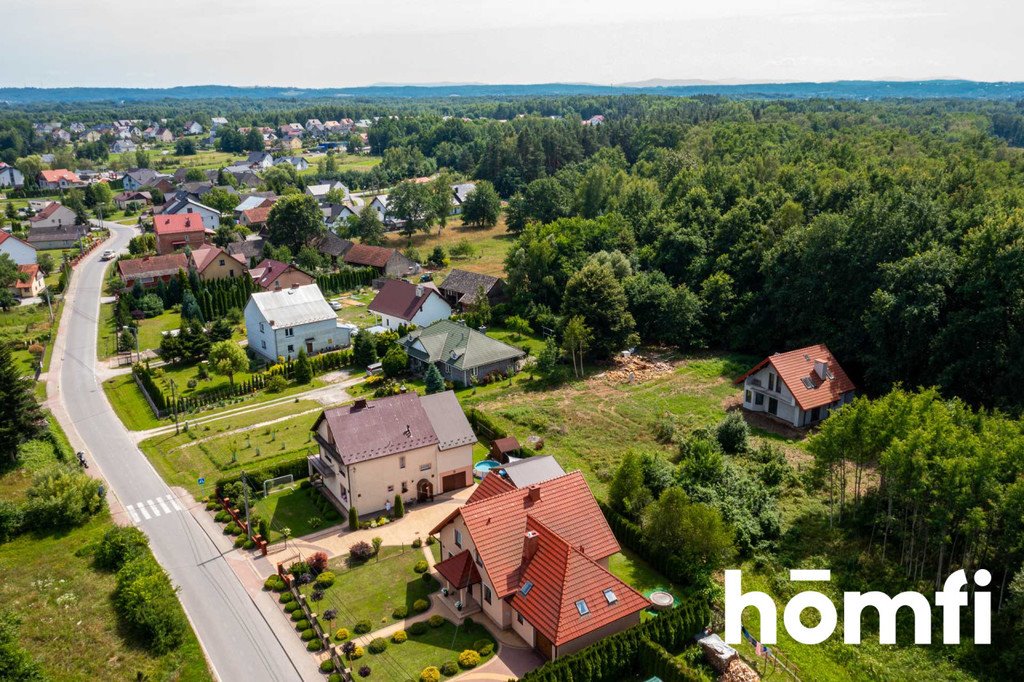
<point x="302" y="625"/>
<point x="356" y="653"/>
<point x="469" y="659"/>
<point x="317" y="562"/>
<point x="327" y="666"/>
<point x="364" y="671"/>
<point x="308" y="634"/>
<point x="418" y="628"/>
<point x="362" y="627"/>
<point x="437" y="620"/>
<point x="430" y="674"/>
<point x="292" y="606"/>
<point x="314" y="645"/>
<point x="120" y="545"/>
<point x="480" y="644"/>
<point x="732" y="433"/>
<point x="400" y="612"/>
<point x="421" y="566"/>
<point x="420" y="605"/>
<point x="325" y="580"/>
<point x="297" y="614"/>
<point x="399" y="637"/>
<point x="286" y="597"/>
<point x="450" y="668"/>
<point x="486" y="650"/>
<point x="341" y="635"/>
<point x="378" y="645"/>
<point x="416" y="544"/>
<point x="361" y="551"/>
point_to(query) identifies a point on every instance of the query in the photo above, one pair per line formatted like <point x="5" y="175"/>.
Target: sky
<point x="338" y="43"/>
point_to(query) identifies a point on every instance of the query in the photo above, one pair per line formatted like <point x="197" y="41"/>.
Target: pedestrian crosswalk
<point x="148" y="509"/>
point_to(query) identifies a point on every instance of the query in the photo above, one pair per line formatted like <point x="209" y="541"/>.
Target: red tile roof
<point x="561" y="576"/>
<point x="58" y="175"/>
<point x="459" y="570"/>
<point x="257" y="216"/>
<point x="401" y="299"/>
<point x="489" y="487"/>
<point x="30" y="269"/>
<point x="796" y="365"/>
<point x="152" y="266"/>
<point x="364" y="254"/>
<point x="204" y="255"/>
<point x="178" y="224"/>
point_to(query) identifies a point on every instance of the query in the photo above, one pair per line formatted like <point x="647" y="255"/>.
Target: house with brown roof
<point x="401" y="303"/>
<point x="800" y="387"/>
<point x="534" y="559"/>
<point x="409" y="445"/>
<point x="255" y="217"/>
<point x="212" y="262"/>
<point x="30" y="281"/>
<point x="461" y="288"/>
<point x="176" y="231"/>
<point x="149" y="271"/>
<point x="389" y="262"/>
<point x="54" y="214"/>
<point x="124" y="199"/>
<point x="271" y="275"/>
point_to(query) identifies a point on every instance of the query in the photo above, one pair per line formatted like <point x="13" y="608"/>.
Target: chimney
<point x="530" y="542"/>
<point x="534" y="494"/>
<point x="821" y="369"/>
<point x="419" y="290"/>
<point x="359" y="404"/>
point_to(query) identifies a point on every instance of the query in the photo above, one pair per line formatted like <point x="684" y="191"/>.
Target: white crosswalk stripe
<point x="148" y="509"/>
<point x="152" y="506"/>
<point x="163" y="505"/>
<point x="174" y="503"/>
<point x="142" y="510"/>
<point x="131" y="512"/>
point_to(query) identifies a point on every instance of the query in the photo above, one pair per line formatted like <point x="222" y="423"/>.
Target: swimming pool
<point x="480" y="469"/>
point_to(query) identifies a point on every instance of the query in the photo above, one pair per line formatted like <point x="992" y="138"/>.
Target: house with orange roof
<point x="212" y="262"/>
<point x="800" y="387"/>
<point x="534" y="559"/>
<point x="30" y="281"/>
<point x="175" y="232"/>
<point x="60" y="178"/>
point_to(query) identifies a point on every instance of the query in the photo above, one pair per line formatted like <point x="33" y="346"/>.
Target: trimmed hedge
<point x="660" y="663"/>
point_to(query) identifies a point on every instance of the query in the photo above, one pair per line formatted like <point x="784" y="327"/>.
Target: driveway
<point x="239" y="642"/>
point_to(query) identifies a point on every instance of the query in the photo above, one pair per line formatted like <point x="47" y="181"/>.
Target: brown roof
<point x="30" y="269"/>
<point x="796" y="366"/>
<point x="267" y="271"/>
<point x="459" y="570"/>
<point x="364" y="254"/>
<point x="152" y="266"/>
<point x="506" y="445"/>
<point x="257" y="216"/>
<point x="367" y="430"/>
<point x="398" y="298"/>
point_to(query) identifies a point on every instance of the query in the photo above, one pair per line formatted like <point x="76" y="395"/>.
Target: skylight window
<point x="808" y="382"/>
<point x="525" y="589"/>
<point x="610" y="596"/>
<point x="581" y="606"/>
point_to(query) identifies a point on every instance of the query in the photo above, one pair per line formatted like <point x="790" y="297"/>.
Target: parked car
<point x="108" y="255"/>
<point x="336" y="305"/>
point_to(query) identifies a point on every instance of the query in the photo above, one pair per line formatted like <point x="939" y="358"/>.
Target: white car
<point x="108" y="255"/>
<point x="336" y="305"/>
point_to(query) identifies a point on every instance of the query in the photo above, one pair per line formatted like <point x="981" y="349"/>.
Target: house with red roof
<point x="20" y="251"/>
<point x="256" y="217"/>
<point x="401" y="303"/>
<point x="149" y="271"/>
<point x="60" y="178"/>
<point x="273" y="275"/>
<point x="30" y="281"/>
<point x="405" y="445"/>
<point x="213" y="262"/>
<point x="534" y="559"/>
<point x="175" y="232"/>
<point x="800" y="387"/>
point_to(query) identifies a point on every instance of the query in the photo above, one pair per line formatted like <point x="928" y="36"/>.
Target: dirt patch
<point x="633" y="369"/>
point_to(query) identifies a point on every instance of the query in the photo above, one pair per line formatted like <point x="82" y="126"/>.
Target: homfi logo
<point x="950" y="599"/>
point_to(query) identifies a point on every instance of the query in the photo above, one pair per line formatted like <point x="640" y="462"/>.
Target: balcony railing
<point x="327" y="447"/>
<point x="321" y="467"/>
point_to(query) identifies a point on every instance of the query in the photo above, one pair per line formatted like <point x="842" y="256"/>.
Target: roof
<point x="204" y="255"/>
<point x="152" y="266"/>
<point x="528" y="471"/>
<point x="457" y="345"/>
<point x="464" y="284"/>
<point x="178" y="223"/>
<point x="401" y="299"/>
<point x="331" y="244"/>
<point x="48" y="211"/>
<point x="250" y="248"/>
<point x="30" y="269"/>
<point x="367" y="430"/>
<point x="4" y="236"/>
<point x="58" y="175"/>
<point x="293" y="306"/>
<point x="796" y="369"/>
<point x="253" y="201"/>
<point x="266" y="272"/>
<point x="462" y="190"/>
<point x="364" y="254"/>
<point x="143" y="176"/>
<point x="489" y="487"/>
<point x="506" y="444"/>
<point x="459" y="570"/>
<point x="257" y="215"/>
<point x="561" y="576"/>
<point x="181" y="202"/>
<point x="39" y="233"/>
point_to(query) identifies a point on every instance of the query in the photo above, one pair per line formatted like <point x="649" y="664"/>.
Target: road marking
<point x="131" y="512"/>
<point x="163" y="505"/>
<point x="142" y="510"/>
<point x="174" y="503"/>
<point x="152" y="506"/>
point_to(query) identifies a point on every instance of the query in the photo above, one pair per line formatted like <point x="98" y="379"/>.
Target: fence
<point x="261" y="542"/>
<point x="314" y="622"/>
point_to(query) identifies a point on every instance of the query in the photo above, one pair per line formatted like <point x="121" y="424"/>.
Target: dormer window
<point x="581" y="606"/>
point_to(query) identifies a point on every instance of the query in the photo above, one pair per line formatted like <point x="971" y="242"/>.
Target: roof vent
<point x="408" y="430"/>
<point x="359" y="404"/>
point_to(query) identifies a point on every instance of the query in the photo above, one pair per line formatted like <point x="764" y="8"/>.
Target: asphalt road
<point x="239" y="643"/>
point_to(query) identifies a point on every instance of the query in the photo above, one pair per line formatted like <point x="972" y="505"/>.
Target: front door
<point x="309" y="346"/>
<point x="773" y="406"/>
<point x="544" y="645"/>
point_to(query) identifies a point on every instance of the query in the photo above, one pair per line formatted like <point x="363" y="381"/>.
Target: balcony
<point x="328" y="448"/>
<point x="321" y="466"/>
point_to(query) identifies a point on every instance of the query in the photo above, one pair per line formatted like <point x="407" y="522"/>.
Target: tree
<point x="364" y="350"/>
<point x="353" y="519"/>
<point x="695" y="534"/>
<point x="596" y="295"/>
<point x="46" y="263"/>
<point x="220" y="199"/>
<point x="220" y="330"/>
<point x="548" y="360"/>
<point x="438" y="258"/>
<point x="142" y="158"/>
<point x="9" y="276"/>
<point x="482" y="207"/>
<point x="399" y="510"/>
<point x="433" y="379"/>
<point x="254" y="140"/>
<point x="441" y="200"/>
<point x="395" y="362"/>
<point x="185" y="147"/>
<point x="194" y="174"/>
<point x="309" y="259"/>
<point x="303" y="369"/>
<point x="23" y="419"/>
<point x="626" y="493"/>
<point x="369" y="228"/>
<point x="282" y="178"/>
<point x="224" y="235"/>
<point x="410" y="202"/>
<point x="230" y="140"/>
<point x="295" y="220"/>
<point x="190" y="307"/>
<point x="576" y="338"/>
<point x="517" y="214"/>
<point x="227" y="358"/>
<point x="478" y="313"/>
<point x="518" y="326"/>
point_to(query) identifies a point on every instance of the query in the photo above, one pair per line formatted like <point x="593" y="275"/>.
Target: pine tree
<point x="23" y="419"/>
<point x="433" y="379"/>
<point x="399" y="506"/>
<point x="303" y="369"/>
<point x="364" y="350"/>
<point x="353" y="519"/>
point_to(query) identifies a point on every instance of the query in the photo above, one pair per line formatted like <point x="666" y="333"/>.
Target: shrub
<point x="222" y="516"/>
<point x="417" y="543"/>
<point x="315" y="522"/>
<point x="274" y="582"/>
<point x="286" y="597"/>
<point x="292" y="607"/>
<point x="327" y="666"/>
<point x="341" y="635"/>
<point x="400" y="612"/>
<point x="334" y="677"/>
<point x="399" y="637"/>
<point x="61" y="498"/>
<point x="436" y="621"/>
<point x="12" y="518"/>
<point x="315" y="645"/>
<point x="469" y="659"/>
<point x="232" y="529"/>
<point x="362" y="627"/>
<point x="298" y="568"/>
<point x="364" y="671"/>
<point x="241" y="540"/>
<point x="325" y="579"/>
<point x="120" y="545"/>
<point x="308" y="634"/>
<point x="450" y="668"/>
<point x="356" y="653"/>
<point x="480" y="643"/>
<point x="361" y="551"/>
<point x="427" y="578"/>
<point x="430" y="540"/>
<point x="353" y="519"/>
<point x="377" y="645"/>
<point x="297" y="614"/>
<point x="430" y="674"/>
<point x="276" y="384"/>
<point x="317" y="562"/>
<point x="146" y="602"/>
<point x="304" y="625"/>
<point x="420" y="605"/>
<point x="418" y="628"/>
<point x="421" y="566"/>
<point x="486" y="650"/>
<point x="732" y="433"/>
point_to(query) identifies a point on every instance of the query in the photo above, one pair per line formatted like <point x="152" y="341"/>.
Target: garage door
<point x="453" y="482"/>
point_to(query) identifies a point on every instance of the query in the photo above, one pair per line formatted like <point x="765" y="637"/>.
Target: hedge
<point x="297" y="467"/>
<point x="624" y="654"/>
<point x="632" y="537"/>
<point x="345" y="280"/>
<point x="660" y="663"/>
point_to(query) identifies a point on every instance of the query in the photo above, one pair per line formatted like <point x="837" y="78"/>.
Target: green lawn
<point x="638" y="574"/>
<point x="402" y="662"/>
<point x="293" y="509"/>
<point x="130" y="405"/>
<point x="354" y="307"/>
<point x="150" y="330"/>
<point x="532" y="344"/>
<point x="380" y="585"/>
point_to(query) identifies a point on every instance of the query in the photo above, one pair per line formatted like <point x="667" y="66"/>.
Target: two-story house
<point x="21" y="252"/>
<point x="800" y="387"/>
<point x="175" y="232"/>
<point x="278" y="324"/>
<point x="407" y="444"/>
<point x="212" y="262"/>
<point x="534" y="559"/>
<point x="401" y="303"/>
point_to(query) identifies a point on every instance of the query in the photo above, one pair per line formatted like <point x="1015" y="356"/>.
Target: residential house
<point x="125" y="199"/>
<point x="250" y="248"/>
<point x="459" y="194"/>
<point x="399" y="303"/>
<point x="163" y="135"/>
<point x="800" y="387"/>
<point x="535" y="560"/>
<point x="319" y="192"/>
<point x="212" y="262"/>
<point x="255" y="218"/>
<point x="260" y="160"/>
<point x="409" y="445"/>
<point x="61" y="136"/>
<point x="594" y="120"/>
<point x="30" y="281"/>
<point x="193" y="128"/>
<point x="53" y="214"/>
<point x="218" y="122"/>
<point x="258" y="200"/>
<point x="298" y="162"/>
<point x="462" y="354"/>
<point x="10" y="176"/>
<point x="149" y="271"/>
<point x="290" y="143"/>
<point x="180" y="176"/>
<point x="280" y="323"/>
<point x="461" y="287"/>
<point x="176" y="231"/>
<point x="331" y="246"/>
<point x="123" y="147"/>
<point x="380" y="205"/>
<point x="244" y="176"/>
<point x="60" y="178"/>
<point x="57" y="237"/>
<point x="21" y="252"/>
<point x="167" y="186"/>
<point x="389" y="262"/>
<point x="189" y="206"/>
<point x="274" y="275"/>
<point x="140" y="177"/>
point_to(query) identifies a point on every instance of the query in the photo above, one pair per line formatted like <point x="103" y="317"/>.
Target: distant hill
<point x="836" y="90"/>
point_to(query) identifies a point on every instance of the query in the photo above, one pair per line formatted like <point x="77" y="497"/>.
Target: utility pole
<point x="174" y="404"/>
<point x="245" y="495"/>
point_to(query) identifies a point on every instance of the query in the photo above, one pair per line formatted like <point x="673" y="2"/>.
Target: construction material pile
<point x="632" y="369"/>
<point x="738" y="671"/>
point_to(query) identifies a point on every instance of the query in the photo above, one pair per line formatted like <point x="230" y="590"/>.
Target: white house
<point x="280" y="323"/>
<point x="10" y="176"/>
<point x="20" y="252"/>
<point x="193" y="128"/>
<point x="211" y="216"/>
<point x="319" y="192"/>
<point x="261" y="160"/>
<point x="800" y="387"/>
<point x="459" y="194"/>
<point x="298" y="162"/>
<point x="400" y="303"/>
<point x="380" y="205"/>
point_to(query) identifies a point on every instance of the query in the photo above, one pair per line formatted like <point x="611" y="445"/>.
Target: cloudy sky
<point x="335" y="43"/>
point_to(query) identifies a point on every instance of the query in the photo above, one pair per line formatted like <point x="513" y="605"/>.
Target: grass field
<point x="490" y="246"/>
<point x="129" y="404"/>
<point x="293" y="509"/>
<point x="150" y="331"/>
<point x="402" y="662"/>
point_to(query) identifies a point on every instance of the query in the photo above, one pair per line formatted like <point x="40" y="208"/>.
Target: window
<point x="746" y="397"/>
<point x="231" y="273"/>
<point x="479" y="562"/>
<point x="391" y="488"/>
<point x="581" y="606"/>
<point x="487" y="594"/>
<point x="289" y="332"/>
<point x="405" y="487"/>
<point x="425" y="467"/>
<point x="458" y="538"/>
<point x="222" y="262"/>
<point x="261" y="328"/>
<point x="610" y="596"/>
<point x="401" y="462"/>
<point x="291" y="349"/>
<point x="264" y="344"/>
<point x="771" y="381"/>
<point x="525" y="589"/>
<point x="519" y="617"/>
<point x="759" y="398"/>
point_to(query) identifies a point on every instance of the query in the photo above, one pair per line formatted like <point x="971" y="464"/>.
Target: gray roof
<point x="250" y="248"/>
<point x="252" y="201"/>
<point x="448" y="419"/>
<point x="462" y="190"/>
<point x="293" y="306"/>
<point x="531" y="470"/>
<point x="456" y="345"/>
<point x="144" y="176"/>
<point x="463" y="285"/>
<point x="181" y="203"/>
